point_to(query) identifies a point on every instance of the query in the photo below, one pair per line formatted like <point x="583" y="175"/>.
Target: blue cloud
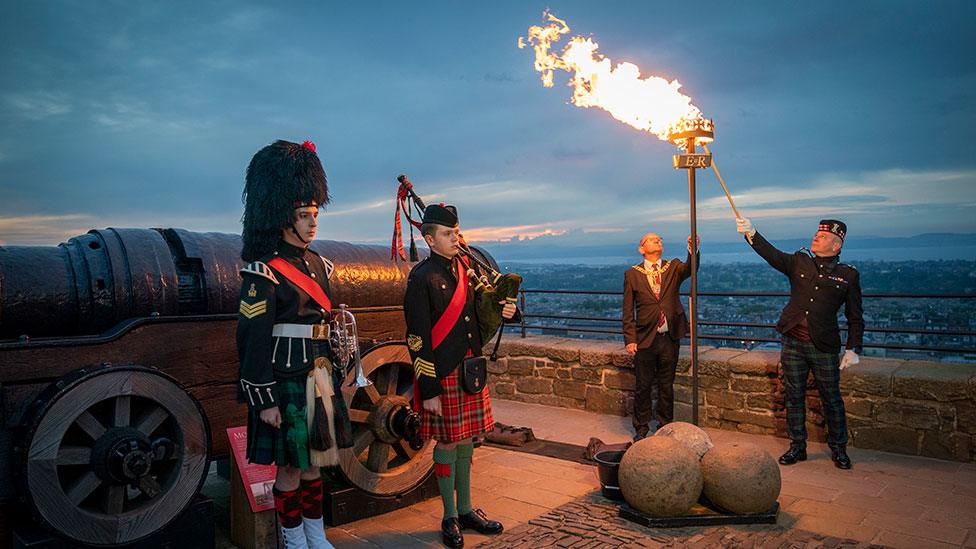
<point x="112" y="107"/>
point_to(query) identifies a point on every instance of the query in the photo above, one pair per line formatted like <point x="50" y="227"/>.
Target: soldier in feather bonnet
<point x="296" y="419"/>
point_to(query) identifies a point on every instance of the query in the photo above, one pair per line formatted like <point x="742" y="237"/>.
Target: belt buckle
<point x="320" y="331"/>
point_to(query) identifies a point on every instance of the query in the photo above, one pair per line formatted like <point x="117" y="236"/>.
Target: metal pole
<point x="693" y="298"/>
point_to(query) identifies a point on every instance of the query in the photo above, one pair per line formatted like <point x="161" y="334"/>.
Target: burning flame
<point x="651" y="104"/>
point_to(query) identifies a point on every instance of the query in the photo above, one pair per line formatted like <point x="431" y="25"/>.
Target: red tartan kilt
<point x="463" y="415"/>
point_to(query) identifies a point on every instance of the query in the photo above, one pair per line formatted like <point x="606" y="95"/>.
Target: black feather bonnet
<point x="281" y="177"/>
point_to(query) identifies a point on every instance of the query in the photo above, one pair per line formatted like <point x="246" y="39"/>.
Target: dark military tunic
<point x="273" y="370"/>
<point x="819" y="286"/>
<point x="430" y="287"/>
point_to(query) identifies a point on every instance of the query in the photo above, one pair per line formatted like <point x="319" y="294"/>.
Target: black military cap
<point x="440" y="214"/>
<point x="834" y="226"/>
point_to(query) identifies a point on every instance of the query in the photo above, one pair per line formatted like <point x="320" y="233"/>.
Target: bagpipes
<point x="491" y="287"/>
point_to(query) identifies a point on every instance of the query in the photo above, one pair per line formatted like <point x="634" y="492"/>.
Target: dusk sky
<point x="145" y="114"/>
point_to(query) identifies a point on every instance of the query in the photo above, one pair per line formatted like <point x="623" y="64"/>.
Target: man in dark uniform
<point x="654" y="323"/>
<point x="819" y="285"/>
<point x="282" y="337"/>
<point x="443" y="329"/>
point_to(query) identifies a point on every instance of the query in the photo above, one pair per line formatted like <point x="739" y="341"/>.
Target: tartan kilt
<point x="287" y="445"/>
<point x="463" y="415"/>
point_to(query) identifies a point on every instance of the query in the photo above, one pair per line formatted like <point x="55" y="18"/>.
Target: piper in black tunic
<point x="819" y="286"/>
<point x="438" y="288"/>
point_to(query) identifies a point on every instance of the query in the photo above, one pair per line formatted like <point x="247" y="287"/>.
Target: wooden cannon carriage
<point x="118" y="376"/>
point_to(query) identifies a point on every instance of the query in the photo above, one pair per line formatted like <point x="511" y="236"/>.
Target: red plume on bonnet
<point x="309" y="145"/>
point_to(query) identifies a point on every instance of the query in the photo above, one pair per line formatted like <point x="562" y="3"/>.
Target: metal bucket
<point x="607" y="465"/>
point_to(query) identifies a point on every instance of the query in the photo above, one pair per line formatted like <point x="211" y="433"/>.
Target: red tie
<point x="657" y="282"/>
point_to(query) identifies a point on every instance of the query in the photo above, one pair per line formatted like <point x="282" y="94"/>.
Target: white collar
<point x="649" y="265"/>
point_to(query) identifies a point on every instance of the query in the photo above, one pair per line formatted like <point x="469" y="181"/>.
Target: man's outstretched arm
<point x="778" y="260"/>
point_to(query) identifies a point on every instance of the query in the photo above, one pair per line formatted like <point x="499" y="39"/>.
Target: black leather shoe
<point x="477" y="521"/>
<point x="451" y="532"/>
<point x="841" y="461"/>
<point x="797" y="452"/>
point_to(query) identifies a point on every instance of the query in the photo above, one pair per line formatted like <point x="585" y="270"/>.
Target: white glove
<point x="744" y="226"/>
<point x="850" y="359"/>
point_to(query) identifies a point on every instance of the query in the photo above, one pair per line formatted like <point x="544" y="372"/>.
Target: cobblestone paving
<point x="592" y="521"/>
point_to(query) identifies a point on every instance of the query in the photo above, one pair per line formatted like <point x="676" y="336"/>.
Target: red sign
<point x="258" y="479"/>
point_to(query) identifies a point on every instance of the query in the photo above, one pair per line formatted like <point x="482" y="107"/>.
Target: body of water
<point x="853" y="255"/>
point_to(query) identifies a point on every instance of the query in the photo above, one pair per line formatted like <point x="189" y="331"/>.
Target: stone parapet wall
<point x="908" y="407"/>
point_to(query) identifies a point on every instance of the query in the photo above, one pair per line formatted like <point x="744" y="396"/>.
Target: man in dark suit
<point x="819" y="285"/>
<point x="654" y="323"/>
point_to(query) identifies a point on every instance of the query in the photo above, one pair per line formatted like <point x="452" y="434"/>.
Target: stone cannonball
<point x="692" y="436"/>
<point x="741" y="478"/>
<point x="660" y="477"/>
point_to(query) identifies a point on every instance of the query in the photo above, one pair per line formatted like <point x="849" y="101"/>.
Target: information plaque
<point x="258" y="480"/>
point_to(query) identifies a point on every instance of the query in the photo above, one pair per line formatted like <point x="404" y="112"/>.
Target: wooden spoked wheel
<point x="114" y="454"/>
<point x="380" y="462"/>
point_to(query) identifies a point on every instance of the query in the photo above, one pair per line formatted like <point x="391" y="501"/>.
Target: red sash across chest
<point x="450" y="317"/>
<point x="303" y="281"/>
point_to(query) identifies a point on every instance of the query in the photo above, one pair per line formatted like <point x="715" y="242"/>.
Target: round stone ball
<point x="741" y="478"/>
<point x="660" y="477"/>
<point x="692" y="436"/>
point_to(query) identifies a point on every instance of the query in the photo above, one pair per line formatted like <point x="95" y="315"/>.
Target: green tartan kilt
<point x="287" y="445"/>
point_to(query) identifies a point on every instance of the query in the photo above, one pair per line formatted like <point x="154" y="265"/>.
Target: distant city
<point x="729" y="249"/>
<point x="896" y="318"/>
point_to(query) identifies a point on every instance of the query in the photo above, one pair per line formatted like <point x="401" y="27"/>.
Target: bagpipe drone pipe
<point x="493" y="288"/>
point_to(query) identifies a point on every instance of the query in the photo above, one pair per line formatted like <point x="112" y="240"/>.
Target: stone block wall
<point x="908" y="407"/>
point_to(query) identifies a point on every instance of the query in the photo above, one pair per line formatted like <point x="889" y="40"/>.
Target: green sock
<point x="462" y="477"/>
<point x="444" y="465"/>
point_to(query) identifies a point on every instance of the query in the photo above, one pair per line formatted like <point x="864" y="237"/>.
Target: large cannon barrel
<point x="94" y="281"/>
<point x="85" y="284"/>
<point x="130" y="351"/>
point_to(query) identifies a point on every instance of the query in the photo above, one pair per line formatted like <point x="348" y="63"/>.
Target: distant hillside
<point x="551" y="248"/>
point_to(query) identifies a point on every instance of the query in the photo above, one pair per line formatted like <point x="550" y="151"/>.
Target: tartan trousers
<point x="799" y="358"/>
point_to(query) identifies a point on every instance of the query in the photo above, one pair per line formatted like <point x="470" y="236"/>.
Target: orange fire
<point x="651" y="104"/>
